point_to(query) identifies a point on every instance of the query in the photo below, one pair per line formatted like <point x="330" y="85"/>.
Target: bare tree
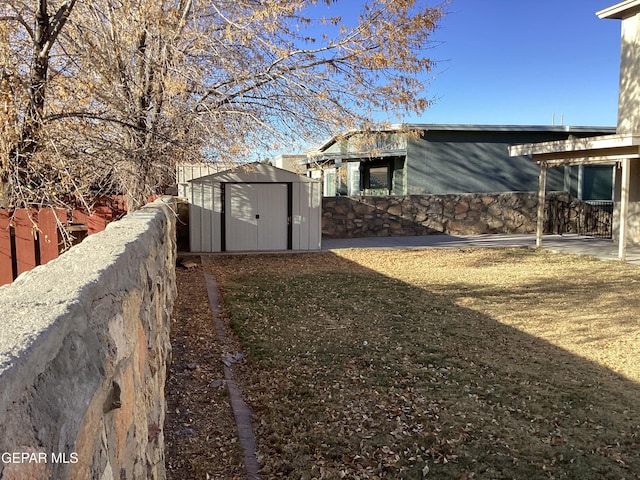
<point x="282" y="69"/>
<point x="29" y="36"/>
<point x="137" y="122"/>
<point x="139" y="85"/>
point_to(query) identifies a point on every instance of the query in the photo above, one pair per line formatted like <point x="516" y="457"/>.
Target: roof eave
<point x="592" y="150"/>
<point x="621" y="10"/>
<point x="399" y="127"/>
<point x="360" y="155"/>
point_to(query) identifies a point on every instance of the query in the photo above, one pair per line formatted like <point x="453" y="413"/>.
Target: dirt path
<point x="200" y="432"/>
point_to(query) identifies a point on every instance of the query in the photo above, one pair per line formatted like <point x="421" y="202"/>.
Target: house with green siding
<point x="421" y="159"/>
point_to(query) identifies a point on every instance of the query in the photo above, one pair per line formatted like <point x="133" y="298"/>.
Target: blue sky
<point x="521" y="62"/>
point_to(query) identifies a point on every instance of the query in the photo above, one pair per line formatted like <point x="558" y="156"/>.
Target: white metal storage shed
<point x="254" y="207"/>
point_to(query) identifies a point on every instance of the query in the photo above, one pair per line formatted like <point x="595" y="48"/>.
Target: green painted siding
<point x="399" y="184"/>
<point x="456" y="159"/>
<point x="463" y="162"/>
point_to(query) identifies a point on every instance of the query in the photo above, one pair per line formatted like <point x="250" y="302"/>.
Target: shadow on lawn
<point x="610" y="307"/>
<point x="354" y="373"/>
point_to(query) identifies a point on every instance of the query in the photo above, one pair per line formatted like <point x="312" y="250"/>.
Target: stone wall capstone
<point x="454" y="214"/>
<point x="83" y="352"/>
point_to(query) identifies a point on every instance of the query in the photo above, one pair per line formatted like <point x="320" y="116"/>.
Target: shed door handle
<point x="257" y="215"/>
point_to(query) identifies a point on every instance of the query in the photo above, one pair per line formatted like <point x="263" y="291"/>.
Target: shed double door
<point x="256" y="216"/>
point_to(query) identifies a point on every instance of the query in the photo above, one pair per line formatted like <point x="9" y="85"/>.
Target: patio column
<point x="542" y="181"/>
<point x="624" y="210"/>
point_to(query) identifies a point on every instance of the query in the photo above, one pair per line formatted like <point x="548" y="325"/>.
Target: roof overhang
<point x="318" y="151"/>
<point x="254" y="173"/>
<point x="581" y="151"/>
<point x="621" y="10"/>
<point x="362" y="156"/>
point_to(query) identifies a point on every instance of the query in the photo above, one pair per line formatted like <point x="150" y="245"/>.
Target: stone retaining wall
<point x="84" y="346"/>
<point x="456" y="214"/>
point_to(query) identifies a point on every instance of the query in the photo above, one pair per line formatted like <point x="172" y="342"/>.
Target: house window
<point x="330" y="182"/>
<point x="353" y="178"/>
<point x="597" y="182"/>
<point x="377" y="179"/>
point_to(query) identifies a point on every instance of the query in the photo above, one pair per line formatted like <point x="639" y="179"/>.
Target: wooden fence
<point x="32" y="237"/>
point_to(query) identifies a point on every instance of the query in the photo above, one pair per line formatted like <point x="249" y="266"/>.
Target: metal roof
<point x="473" y="128"/>
<point x="253" y="173"/>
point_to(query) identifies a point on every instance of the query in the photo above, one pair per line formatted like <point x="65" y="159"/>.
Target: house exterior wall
<point x="633" y="215"/>
<point x="629" y="91"/>
<point x="629" y="122"/>
<point x="447" y="159"/>
<point x="399" y="183"/>
<point x="443" y="162"/>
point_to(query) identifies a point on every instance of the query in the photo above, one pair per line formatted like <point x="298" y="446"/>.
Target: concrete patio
<point x="601" y="248"/>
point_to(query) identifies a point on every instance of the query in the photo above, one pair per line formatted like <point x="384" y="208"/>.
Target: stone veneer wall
<point x="84" y="346"/>
<point x="455" y="214"/>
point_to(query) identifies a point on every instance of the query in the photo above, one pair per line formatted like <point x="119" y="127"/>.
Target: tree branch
<point x="56" y="24"/>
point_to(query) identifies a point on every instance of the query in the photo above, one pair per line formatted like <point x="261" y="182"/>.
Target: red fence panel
<point x="95" y="223"/>
<point x="6" y="269"/>
<point x="48" y="232"/>
<point x="29" y="237"/>
<point x="25" y="235"/>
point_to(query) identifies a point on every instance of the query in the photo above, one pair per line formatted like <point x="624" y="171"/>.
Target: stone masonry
<point x="455" y="214"/>
<point x="83" y="354"/>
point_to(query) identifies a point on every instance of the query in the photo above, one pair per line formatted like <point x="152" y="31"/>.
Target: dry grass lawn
<point x="475" y="363"/>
